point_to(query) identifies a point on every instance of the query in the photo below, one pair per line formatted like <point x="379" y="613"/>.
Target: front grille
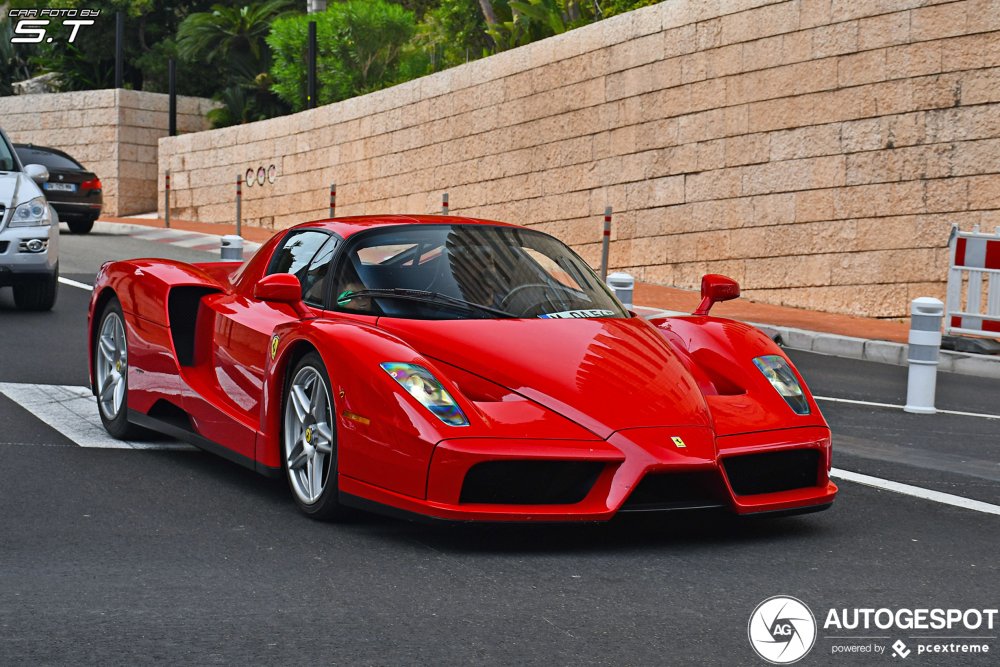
<point x="529" y="482"/>
<point x="770" y="472"/>
<point x="676" y="490"/>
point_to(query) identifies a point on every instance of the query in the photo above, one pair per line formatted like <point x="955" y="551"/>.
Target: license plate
<point x="61" y="187"/>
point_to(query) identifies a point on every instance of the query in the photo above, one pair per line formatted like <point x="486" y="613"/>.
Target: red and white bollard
<point x="333" y="200"/>
<point x="606" y="244"/>
<point x="444" y="204"/>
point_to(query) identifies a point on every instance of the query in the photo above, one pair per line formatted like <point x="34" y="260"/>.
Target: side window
<point x="296" y="252"/>
<point x="314" y="279"/>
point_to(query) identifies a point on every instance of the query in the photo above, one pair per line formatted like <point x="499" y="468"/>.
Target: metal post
<point x="444" y="204"/>
<point x="333" y="200"/>
<point x="922" y="356"/>
<point x="239" y="204"/>
<point x="311" y="68"/>
<point x="605" y="248"/>
<point x="623" y="285"/>
<point x="119" y="49"/>
<point x="166" y="201"/>
<point x="172" y="92"/>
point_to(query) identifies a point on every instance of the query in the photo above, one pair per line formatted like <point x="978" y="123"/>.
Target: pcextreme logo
<point x="782" y="630"/>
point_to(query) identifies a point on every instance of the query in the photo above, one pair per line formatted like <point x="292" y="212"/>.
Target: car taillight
<point x="92" y="184"/>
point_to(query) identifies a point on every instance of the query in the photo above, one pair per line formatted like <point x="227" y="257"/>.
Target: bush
<point x="362" y="46"/>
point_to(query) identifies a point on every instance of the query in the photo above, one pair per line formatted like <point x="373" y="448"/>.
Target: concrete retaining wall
<point x="113" y="133"/>
<point x="815" y="150"/>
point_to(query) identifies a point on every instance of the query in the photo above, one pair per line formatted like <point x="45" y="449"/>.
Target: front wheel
<point x="38" y="293"/>
<point x="309" y="440"/>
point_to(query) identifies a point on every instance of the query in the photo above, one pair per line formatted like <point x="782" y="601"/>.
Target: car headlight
<point x="780" y="375"/>
<point x="33" y="213"/>
<point x="421" y="385"/>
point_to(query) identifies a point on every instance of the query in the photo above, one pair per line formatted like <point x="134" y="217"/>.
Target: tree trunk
<point x="487" y="7"/>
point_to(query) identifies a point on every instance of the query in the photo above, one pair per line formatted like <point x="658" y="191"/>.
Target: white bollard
<point x="623" y="284"/>
<point x="232" y="248"/>
<point x="922" y="355"/>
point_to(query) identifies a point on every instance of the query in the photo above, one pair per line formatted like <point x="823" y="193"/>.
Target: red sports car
<point x="457" y="369"/>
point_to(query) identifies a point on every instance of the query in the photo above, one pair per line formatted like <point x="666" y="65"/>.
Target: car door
<point x="241" y="333"/>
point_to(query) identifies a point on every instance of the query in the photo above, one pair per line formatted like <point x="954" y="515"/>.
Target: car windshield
<point x="6" y="158"/>
<point x="49" y="160"/>
<point x="467" y="271"/>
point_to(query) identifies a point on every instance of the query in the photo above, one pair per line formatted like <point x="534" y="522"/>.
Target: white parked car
<point x="29" y="233"/>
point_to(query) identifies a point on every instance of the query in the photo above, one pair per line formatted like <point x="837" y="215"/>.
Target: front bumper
<point x="16" y="259"/>
<point x="635" y="470"/>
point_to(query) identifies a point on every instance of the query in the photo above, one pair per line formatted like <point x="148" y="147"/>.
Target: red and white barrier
<point x="973" y="301"/>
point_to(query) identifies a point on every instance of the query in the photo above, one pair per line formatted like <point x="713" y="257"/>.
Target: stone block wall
<point x="815" y="150"/>
<point x="113" y="133"/>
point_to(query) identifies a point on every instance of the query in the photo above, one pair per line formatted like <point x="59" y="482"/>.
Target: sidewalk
<point x="882" y="341"/>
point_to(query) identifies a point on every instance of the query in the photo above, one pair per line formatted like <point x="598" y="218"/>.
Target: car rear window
<point x="46" y="159"/>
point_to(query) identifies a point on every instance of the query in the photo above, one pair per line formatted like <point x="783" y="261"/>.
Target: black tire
<point x="327" y="506"/>
<point x="116" y="424"/>
<point x="80" y="226"/>
<point x="38" y="293"/>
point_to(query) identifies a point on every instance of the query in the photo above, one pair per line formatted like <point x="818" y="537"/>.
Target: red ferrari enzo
<point x="457" y="369"/>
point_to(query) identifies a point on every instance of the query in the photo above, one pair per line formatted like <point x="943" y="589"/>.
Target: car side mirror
<point x="715" y="288"/>
<point x="36" y="172"/>
<point x="279" y="288"/>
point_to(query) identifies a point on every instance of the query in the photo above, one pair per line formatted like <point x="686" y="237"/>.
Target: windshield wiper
<point x="423" y="296"/>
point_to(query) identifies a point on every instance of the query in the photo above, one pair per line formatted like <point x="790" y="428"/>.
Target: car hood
<point x="16" y="188"/>
<point x="604" y="374"/>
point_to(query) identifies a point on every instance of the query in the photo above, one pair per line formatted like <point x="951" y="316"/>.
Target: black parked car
<point x="74" y="192"/>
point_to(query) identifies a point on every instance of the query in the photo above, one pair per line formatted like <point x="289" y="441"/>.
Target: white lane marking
<point x="73" y="412"/>
<point x="916" y="491"/>
<point x="900" y="407"/>
<point x="73" y="283"/>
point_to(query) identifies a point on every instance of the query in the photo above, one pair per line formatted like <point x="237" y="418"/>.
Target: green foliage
<point x="454" y="33"/>
<point x="531" y="20"/>
<point x="363" y="46"/>
<point x="612" y="7"/>
<point x="89" y="62"/>
<point x="228" y="45"/>
<point x="13" y="61"/>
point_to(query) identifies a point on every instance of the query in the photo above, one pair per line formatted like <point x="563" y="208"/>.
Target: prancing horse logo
<point x="274" y="345"/>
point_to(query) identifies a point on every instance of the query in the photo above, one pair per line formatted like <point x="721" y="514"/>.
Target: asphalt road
<point x="125" y="557"/>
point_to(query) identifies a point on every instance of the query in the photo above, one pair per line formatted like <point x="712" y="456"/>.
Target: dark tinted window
<point x="6" y="159"/>
<point x="314" y="278"/>
<point x="46" y="159"/>
<point x="468" y="271"/>
<point x="296" y="252"/>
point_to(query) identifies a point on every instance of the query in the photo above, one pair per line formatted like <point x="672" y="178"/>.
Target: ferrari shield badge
<point x="678" y="441"/>
<point x="274" y="345"/>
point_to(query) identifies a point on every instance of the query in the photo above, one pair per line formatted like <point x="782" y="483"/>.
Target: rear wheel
<point x="309" y="440"/>
<point x="39" y="293"/>
<point x="111" y="373"/>
<point x="80" y="226"/>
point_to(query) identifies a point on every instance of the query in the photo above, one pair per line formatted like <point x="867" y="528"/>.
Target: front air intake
<point x="529" y="482"/>
<point x="771" y="472"/>
<point x="676" y="491"/>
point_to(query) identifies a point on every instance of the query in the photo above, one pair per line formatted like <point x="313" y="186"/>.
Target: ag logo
<point x="782" y="630"/>
<point x="274" y="345"/>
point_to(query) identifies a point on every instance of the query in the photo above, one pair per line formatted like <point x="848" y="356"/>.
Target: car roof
<point x="348" y="226"/>
<point x="46" y="149"/>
